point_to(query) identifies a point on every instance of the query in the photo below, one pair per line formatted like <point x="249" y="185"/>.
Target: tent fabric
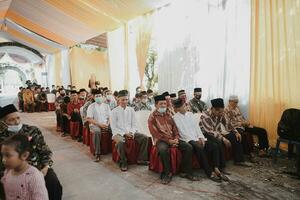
<point x="70" y="23"/>
<point x="84" y="63"/>
<point x="275" y="62"/>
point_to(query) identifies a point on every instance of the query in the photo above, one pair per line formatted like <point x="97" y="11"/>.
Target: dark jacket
<point x="289" y="125"/>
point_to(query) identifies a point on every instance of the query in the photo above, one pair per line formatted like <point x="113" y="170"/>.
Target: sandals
<point x="224" y="177"/>
<point x="189" y="176"/>
<point x="215" y="178"/>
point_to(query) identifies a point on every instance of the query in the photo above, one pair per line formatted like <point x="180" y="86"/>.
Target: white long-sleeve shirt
<point x="99" y="112"/>
<point x="188" y="127"/>
<point x="123" y="121"/>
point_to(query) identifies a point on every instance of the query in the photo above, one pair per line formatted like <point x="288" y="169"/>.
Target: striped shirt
<point x="27" y="186"/>
<point x="215" y="126"/>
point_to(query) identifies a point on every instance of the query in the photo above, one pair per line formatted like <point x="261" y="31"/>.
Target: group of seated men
<point x="171" y="124"/>
<point x="33" y="98"/>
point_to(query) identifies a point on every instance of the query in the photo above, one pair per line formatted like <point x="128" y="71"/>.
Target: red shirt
<point x="72" y="106"/>
<point x="162" y="126"/>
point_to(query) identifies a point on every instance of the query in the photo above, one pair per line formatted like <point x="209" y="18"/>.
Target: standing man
<point x="40" y="156"/>
<point x="124" y="126"/>
<point x="196" y="104"/>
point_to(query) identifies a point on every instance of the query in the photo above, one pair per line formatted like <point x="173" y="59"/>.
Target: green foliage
<point x="150" y="70"/>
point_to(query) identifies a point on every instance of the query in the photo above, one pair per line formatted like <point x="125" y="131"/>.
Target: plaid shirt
<point x="215" y="126"/>
<point x="235" y="116"/>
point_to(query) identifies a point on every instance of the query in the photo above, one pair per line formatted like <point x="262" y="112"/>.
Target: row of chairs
<point x="132" y="148"/>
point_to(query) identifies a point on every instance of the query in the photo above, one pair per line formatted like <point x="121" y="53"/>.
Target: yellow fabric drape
<point x="58" y="68"/>
<point x="84" y="63"/>
<point x="144" y="26"/>
<point x="275" y="62"/>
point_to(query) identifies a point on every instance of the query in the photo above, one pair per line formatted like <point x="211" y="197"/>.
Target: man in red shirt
<point x="73" y="111"/>
<point x="165" y="133"/>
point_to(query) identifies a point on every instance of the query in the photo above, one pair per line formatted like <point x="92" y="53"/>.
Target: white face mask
<point x="15" y="128"/>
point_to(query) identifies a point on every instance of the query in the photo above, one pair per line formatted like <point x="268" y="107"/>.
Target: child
<point x="21" y="180"/>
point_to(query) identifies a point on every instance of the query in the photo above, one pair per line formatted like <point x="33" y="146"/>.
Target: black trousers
<point x="75" y="117"/>
<point x="58" y="118"/>
<point x="200" y="152"/>
<point x="64" y="124"/>
<point x="186" y="161"/>
<point x="298" y="159"/>
<point x="247" y="147"/>
<point x="53" y="185"/>
<point x="237" y="147"/>
<point x="261" y="134"/>
<point x="217" y="153"/>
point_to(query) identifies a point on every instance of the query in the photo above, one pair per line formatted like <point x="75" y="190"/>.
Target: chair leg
<point x="276" y="151"/>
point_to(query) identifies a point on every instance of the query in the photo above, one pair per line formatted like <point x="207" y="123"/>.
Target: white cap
<point x="233" y="98"/>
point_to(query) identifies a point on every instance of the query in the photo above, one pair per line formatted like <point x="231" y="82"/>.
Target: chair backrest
<point x="289" y="124"/>
<point x="51" y="98"/>
<point x="142" y="117"/>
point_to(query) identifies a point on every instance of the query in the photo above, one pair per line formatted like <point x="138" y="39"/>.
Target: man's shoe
<point x="123" y="167"/>
<point x="97" y="158"/>
<point x="166" y="179"/>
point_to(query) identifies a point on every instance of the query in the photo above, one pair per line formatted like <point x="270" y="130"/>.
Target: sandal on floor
<point x="224" y="177"/>
<point x="189" y="176"/>
<point x="215" y="178"/>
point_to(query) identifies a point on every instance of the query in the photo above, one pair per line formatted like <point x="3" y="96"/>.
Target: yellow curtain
<point x="84" y="63"/>
<point x="144" y="25"/>
<point x="58" y="68"/>
<point x="275" y="61"/>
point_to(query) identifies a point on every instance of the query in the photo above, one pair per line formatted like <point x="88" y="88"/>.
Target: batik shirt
<point x="197" y="106"/>
<point x="142" y="106"/>
<point x="162" y="126"/>
<point x="215" y="126"/>
<point x="235" y="116"/>
<point x="40" y="155"/>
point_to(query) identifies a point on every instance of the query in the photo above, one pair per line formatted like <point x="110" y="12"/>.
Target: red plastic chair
<point x="74" y="129"/>
<point x="105" y="142"/>
<point x="85" y="133"/>
<point x="131" y="151"/>
<point x="51" y="106"/>
<point x="175" y="159"/>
